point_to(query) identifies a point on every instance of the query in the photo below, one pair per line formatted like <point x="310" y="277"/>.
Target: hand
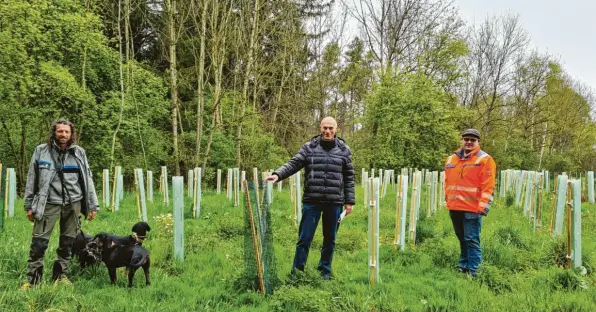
<point x="30" y="215"/>
<point x="348" y="209"/>
<point x="92" y="215"/>
<point x="272" y="178"/>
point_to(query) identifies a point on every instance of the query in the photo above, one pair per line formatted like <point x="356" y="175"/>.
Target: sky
<point x="563" y="29"/>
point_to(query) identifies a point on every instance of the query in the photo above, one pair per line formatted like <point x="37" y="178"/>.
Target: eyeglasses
<point x="473" y="140"/>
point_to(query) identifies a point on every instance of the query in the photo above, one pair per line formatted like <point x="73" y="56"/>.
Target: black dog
<point x="116" y="256"/>
<point x="125" y="251"/>
<point x="139" y="232"/>
<point x="85" y="250"/>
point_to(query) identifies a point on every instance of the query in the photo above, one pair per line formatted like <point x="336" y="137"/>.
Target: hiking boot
<point x="62" y="280"/>
<point x="26" y="286"/>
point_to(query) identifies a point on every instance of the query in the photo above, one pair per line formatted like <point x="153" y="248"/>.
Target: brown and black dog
<point x="125" y="251"/>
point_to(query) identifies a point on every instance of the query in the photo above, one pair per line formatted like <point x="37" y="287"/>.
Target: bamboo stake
<point x="539" y="212"/>
<point x="428" y="212"/>
<point x="138" y="195"/>
<point x="161" y="181"/>
<point x="255" y="174"/>
<point x="255" y="240"/>
<point x="523" y="192"/>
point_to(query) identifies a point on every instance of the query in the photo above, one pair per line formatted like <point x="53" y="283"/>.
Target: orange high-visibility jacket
<point x="470" y="181"/>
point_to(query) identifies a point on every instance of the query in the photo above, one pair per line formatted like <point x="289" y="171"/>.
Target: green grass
<point x="521" y="269"/>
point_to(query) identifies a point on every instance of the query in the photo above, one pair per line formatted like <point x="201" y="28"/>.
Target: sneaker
<point x="62" y="280"/>
<point x="26" y="286"/>
<point x="326" y="276"/>
<point x="462" y="269"/>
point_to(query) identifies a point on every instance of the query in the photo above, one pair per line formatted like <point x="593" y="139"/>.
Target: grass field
<point x="521" y="270"/>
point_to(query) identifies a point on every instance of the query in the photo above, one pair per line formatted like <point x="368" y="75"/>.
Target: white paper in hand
<point x="342" y="216"/>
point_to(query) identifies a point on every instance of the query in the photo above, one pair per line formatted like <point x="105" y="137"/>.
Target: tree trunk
<point x="543" y="145"/>
<point x="200" y="82"/>
<point x="220" y="27"/>
<point x="121" y="87"/>
<point x="209" y="141"/>
<point x="173" y="83"/>
<point x="247" y="75"/>
<point x="22" y="164"/>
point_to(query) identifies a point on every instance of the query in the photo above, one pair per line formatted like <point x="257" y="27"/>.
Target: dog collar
<point x="138" y="238"/>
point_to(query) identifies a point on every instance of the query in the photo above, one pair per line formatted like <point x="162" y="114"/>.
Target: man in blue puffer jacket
<point x="328" y="186"/>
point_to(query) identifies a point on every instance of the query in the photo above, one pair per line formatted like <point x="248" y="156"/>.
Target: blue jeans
<point x="311" y="213"/>
<point x="467" y="226"/>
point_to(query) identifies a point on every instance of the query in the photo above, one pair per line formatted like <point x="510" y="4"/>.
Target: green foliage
<point x="496" y="280"/>
<point x="519" y="266"/>
<point x="409" y="122"/>
<point x="518" y="155"/>
<point x="567" y="280"/>
<point x="560" y="163"/>
<point x="510" y="199"/>
<point x="57" y="65"/>
<point x="508" y="235"/>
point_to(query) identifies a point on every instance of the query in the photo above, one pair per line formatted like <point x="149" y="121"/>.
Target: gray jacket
<point x="41" y="173"/>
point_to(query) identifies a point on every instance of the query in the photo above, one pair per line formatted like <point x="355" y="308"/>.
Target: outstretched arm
<point x="292" y="166"/>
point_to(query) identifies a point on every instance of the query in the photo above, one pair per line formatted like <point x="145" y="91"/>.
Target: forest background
<point x="241" y="83"/>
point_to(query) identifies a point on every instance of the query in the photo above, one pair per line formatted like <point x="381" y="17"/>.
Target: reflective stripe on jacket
<point x="41" y="173"/>
<point x="470" y="181"/>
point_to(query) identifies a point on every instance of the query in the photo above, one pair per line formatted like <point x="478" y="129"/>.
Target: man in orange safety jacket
<point x="469" y="183"/>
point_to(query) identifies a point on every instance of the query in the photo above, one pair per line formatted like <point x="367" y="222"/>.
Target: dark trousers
<point x="42" y="230"/>
<point x="311" y="213"/>
<point x="467" y="228"/>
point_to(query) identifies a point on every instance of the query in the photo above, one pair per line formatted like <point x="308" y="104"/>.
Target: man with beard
<point x="59" y="186"/>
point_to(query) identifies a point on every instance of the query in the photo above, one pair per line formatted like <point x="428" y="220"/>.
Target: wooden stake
<point x="539" y="212"/>
<point x="138" y="196"/>
<point x="256" y="240"/>
<point x="523" y="192"/>
<point x="428" y="190"/>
